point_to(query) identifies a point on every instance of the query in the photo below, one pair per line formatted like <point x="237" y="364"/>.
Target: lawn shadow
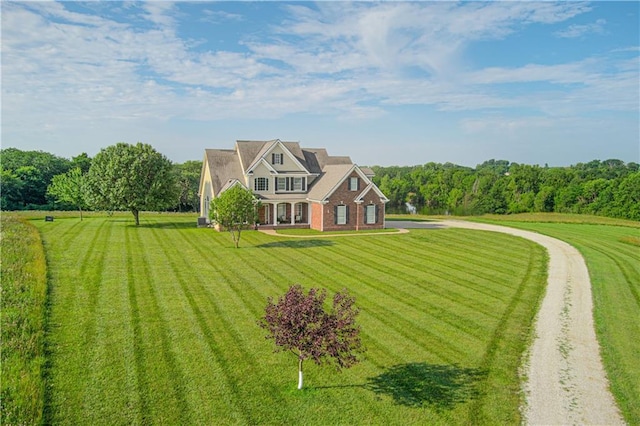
<point x="164" y="225"/>
<point x="298" y="243"/>
<point x="419" y="384"/>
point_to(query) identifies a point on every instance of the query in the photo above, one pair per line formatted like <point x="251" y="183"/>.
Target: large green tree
<point x="188" y="175"/>
<point x="70" y="187"/>
<point x="234" y="210"/>
<point x="132" y="177"/>
<point x="34" y="170"/>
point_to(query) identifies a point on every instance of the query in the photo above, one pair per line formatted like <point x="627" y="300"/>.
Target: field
<point x="611" y="249"/>
<point x="157" y="324"/>
<point x="24" y="291"/>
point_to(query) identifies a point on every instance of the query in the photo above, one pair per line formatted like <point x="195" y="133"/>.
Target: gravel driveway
<point x="565" y="380"/>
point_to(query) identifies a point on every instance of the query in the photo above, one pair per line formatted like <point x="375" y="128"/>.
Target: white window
<point x="261" y="184"/>
<point x="291" y="184"/>
<point x="353" y="184"/>
<point x="277" y="158"/>
<point x="370" y="214"/>
<point x="341" y="215"/>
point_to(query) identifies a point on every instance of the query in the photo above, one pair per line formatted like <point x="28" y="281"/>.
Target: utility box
<point x="48" y="218"/>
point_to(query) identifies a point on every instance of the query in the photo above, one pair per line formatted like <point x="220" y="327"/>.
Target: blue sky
<point x="387" y="83"/>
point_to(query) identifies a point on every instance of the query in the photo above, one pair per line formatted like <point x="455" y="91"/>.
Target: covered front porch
<point x="290" y="214"/>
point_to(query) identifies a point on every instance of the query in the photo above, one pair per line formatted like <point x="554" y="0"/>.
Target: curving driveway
<point x="565" y="380"/>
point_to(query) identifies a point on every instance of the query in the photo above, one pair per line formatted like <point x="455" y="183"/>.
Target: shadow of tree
<point x="163" y="225"/>
<point x="420" y="384"/>
<point x="299" y="243"/>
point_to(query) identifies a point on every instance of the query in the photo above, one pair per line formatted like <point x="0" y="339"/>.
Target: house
<point x="298" y="187"/>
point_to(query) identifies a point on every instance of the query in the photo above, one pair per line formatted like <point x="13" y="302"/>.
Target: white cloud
<point x="575" y="31"/>
<point x="351" y="60"/>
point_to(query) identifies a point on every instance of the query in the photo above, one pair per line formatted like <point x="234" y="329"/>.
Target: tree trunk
<point x="299" y="373"/>
<point x="136" y="215"/>
<point x="80" y="213"/>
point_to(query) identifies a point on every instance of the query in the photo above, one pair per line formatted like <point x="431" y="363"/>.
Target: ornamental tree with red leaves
<point x="299" y="323"/>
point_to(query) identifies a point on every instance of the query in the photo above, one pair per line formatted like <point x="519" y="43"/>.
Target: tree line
<point x="37" y="180"/>
<point x="606" y="188"/>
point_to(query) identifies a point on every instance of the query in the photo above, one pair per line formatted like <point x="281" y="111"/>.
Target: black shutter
<point x="358" y="184"/>
<point x="346" y="219"/>
<point x="377" y="213"/>
<point x="335" y="215"/>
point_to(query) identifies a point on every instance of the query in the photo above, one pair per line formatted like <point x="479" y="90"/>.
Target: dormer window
<point x="277" y="158"/>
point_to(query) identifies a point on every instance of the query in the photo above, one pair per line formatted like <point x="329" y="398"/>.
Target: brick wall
<point x="316" y="216"/>
<point x="355" y="220"/>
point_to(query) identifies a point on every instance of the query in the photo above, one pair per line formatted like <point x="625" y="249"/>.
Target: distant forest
<point x="26" y="175"/>
<point x="606" y="188"/>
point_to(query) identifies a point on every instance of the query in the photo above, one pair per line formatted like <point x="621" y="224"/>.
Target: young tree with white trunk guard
<point x="299" y="323"/>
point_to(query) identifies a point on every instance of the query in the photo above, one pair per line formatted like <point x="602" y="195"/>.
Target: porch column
<point x="275" y="214"/>
<point x="293" y="213"/>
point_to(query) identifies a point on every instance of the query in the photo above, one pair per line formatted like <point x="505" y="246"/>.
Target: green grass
<point x="611" y="250"/>
<point x="23" y="306"/>
<point x="157" y="324"/>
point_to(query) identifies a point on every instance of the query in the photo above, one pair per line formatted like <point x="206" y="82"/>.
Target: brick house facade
<point x="298" y="187"/>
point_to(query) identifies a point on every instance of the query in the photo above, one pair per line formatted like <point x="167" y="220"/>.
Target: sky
<point x="386" y="83"/>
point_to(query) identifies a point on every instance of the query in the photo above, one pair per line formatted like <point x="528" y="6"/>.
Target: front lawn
<point x="157" y="324"/>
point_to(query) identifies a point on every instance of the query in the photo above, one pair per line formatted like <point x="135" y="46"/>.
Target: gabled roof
<point x="292" y="150"/>
<point x="248" y="151"/>
<point x="230" y="183"/>
<point x="223" y="165"/>
<point x="332" y="176"/>
<point x="370" y="187"/>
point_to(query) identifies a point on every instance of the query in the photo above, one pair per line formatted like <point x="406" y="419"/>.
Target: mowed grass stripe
<point x="446" y="243"/>
<point x="155" y="358"/>
<point x="72" y="317"/>
<point x="626" y="268"/>
<point x="139" y="395"/>
<point x="503" y="354"/>
<point x="194" y="339"/>
<point x="216" y="334"/>
<point x="230" y="350"/>
<point x="433" y="267"/>
<point x="388" y="287"/>
<point x="421" y="287"/>
<point x="443" y="254"/>
<point x="427" y="287"/>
